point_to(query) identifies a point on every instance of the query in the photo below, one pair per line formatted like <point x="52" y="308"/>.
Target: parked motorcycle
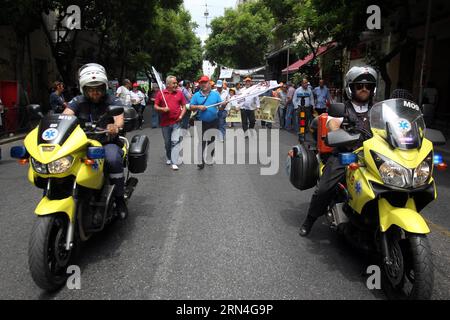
<point x="388" y="182"/>
<point x="67" y="162"/>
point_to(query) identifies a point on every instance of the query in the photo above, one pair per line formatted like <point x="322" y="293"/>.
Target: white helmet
<point x="360" y="75"/>
<point x="92" y="75"/>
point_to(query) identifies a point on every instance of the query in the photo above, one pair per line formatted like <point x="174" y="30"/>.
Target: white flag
<point x="158" y="79"/>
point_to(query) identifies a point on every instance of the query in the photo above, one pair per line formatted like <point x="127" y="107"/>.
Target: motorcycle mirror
<point x="114" y="111"/>
<point x="341" y="138"/>
<point x="35" y="110"/>
<point x="336" y="110"/>
<point x="435" y="136"/>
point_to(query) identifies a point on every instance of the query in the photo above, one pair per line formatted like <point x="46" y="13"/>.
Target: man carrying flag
<point x="172" y="105"/>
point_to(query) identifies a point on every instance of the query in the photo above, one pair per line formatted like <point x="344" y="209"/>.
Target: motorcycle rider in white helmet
<point x="90" y="106"/>
<point x="360" y="87"/>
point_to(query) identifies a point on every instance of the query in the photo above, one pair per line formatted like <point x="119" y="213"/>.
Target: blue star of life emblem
<point x="50" y="134"/>
<point x="358" y="187"/>
<point x="95" y="166"/>
<point x="404" y="125"/>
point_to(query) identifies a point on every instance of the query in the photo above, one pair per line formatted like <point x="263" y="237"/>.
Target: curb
<point x="12" y="139"/>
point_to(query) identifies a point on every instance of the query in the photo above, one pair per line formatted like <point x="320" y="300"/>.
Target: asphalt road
<point x="225" y="232"/>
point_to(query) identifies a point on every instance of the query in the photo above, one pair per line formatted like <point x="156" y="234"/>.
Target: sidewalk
<point x="18" y="136"/>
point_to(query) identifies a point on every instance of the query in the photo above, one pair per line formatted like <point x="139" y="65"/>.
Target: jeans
<point x="171" y="135"/>
<point x="222" y="123"/>
<point x="114" y="167"/>
<point x="185" y="120"/>
<point x="205" y="127"/>
<point x="155" y="118"/>
<point x="289" y="116"/>
<point x="248" y="119"/>
<point x="282" y="117"/>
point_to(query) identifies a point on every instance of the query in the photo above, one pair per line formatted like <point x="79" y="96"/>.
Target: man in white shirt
<point x="303" y="100"/>
<point x="223" y="108"/>
<point x="123" y="92"/>
<point x="138" y="102"/>
<point x="248" y="106"/>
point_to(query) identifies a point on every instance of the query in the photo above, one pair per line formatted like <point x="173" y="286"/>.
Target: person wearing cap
<point x="138" y="102"/>
<point x="172" y="107"/>
<point x="123" y="92"/>
<point x="223" y="108"/>
<point x="232" y="104"/>
<point x="207" y="115"/>
<point x="248" y="107"/>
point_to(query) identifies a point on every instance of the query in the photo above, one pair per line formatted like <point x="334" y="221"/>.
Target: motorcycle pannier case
<point x="322" y="132"/>
<point x="138" y="154"/>
<point x="131" y="119"/>
<point x="304" y="171"/>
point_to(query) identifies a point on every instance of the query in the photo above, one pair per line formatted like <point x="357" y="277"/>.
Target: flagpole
<point x="160" y="84"/>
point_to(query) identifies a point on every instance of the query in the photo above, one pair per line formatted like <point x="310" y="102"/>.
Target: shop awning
<point x="300" y="63"/>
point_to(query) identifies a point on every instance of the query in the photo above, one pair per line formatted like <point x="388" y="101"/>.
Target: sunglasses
<point x="93" y="89"/>
<point x="368" y="86"/>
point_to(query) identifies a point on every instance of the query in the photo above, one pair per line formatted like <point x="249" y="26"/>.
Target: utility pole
<point x="425" y="49"/>
<point x="206" y="15"/>
<point x="287" y="73"/>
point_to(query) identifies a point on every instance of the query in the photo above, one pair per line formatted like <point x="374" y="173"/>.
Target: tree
<point x="180" y="56"/>
<point x="240" y="38"/>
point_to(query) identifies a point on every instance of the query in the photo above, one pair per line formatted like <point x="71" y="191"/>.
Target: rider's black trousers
<point x="333" y="173"/>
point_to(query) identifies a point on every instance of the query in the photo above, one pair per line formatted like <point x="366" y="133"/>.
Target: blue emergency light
<point x="438" y="159"/>
<point x="347" y="158"/>
<point x="19" y="152"/>
<point x="96" y="153"/>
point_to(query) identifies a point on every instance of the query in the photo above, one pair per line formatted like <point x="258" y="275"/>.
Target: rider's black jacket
<point x="86" y="111"/>
<point x="356" y="122"/>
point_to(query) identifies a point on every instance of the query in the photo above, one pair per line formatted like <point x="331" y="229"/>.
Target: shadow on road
<point x="332" y="250"/>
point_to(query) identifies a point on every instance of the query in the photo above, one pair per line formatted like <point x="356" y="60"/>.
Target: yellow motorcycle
<point x="388" y="182"/>
<point x="67" y="162"/>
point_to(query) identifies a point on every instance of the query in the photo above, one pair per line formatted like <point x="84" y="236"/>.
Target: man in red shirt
<point x="172" y="107"/>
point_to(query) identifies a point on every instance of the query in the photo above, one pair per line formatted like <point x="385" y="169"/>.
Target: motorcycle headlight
<point x="60" y="165"/>
<point x="422" y="172"/>
<point x="391" y="172"/>
<point x="39" y="167"/>
<point x="394" y="174"/>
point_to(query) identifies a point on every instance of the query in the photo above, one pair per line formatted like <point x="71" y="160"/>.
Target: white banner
<point x="255" y="90"/>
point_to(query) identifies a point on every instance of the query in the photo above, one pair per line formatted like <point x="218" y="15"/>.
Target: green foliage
<point x="171" y="46"/>
<point x="240" y="38"/>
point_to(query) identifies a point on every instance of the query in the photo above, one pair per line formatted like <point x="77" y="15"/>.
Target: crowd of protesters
<point x="183" y="102"/>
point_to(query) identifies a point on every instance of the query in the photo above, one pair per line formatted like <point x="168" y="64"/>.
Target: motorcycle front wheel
<point x="48" y="258"/>
<point x="411" y="275"/>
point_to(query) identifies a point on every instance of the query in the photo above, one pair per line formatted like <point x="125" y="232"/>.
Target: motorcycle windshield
<point x="399" y="121"/>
